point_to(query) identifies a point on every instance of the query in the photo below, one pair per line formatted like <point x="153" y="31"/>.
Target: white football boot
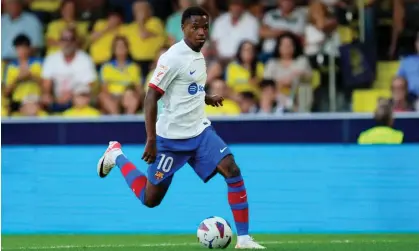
<point x="107" y="161"/>
<point x="247" y="242"/>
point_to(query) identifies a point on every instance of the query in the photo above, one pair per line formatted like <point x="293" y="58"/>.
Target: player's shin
<point x="237" y="198"/>
<point x="135" y="179"/>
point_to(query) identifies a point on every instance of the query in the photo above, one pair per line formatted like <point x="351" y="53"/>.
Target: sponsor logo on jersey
<point x="194" y="88"/>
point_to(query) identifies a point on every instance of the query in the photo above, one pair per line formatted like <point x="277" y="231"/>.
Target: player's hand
<point x="150" y="151"/>
<point x="214" y="100"/>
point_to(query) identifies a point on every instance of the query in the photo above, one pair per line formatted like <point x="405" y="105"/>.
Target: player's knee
<point x="150" y="203"/>
<point x="229" y="168"/>
<point x="234" y="171"/>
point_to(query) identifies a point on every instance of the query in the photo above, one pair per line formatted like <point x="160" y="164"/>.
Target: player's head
<point x="384" y="113"/>
<point x="195" y="26"/>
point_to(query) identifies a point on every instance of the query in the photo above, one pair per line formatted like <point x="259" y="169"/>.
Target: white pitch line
<point x="193" y="244"/>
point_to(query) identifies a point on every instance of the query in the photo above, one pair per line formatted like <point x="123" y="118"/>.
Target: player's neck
<point x="191" y="46"/>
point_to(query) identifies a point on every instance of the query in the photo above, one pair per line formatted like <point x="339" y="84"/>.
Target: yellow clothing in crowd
<point x="4" y="111"/>
<point x="45" y="5"/>
<point x="85" y="112"/>
<point x="4" y="105"/>
<point x="237" y="77"/>
<point x="39" y="114"/>
<point x="55" y="28"/>
<point x="229" y="108"/>
<point x="24" y="88"/>
<point x="380" y="135"/>
<point x="118" y="79"/>
<point x="101" y="49"/>
<point x="145" y="49"/>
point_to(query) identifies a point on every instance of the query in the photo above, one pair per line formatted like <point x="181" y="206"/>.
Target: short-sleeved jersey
<point x="180" y="76"/>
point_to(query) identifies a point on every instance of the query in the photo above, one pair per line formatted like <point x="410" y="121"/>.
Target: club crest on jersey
<point x="194" y="88"/>
<point x="159" y="175"/>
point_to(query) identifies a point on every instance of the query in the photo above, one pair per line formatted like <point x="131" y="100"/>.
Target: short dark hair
<point x="383" y="115"/>
<point x="298" y="47"/>
<point x="116" y="10"/>
<point x="248" y="95"/>
<point x="193" y="11"/>
<point x="21" y="39"/>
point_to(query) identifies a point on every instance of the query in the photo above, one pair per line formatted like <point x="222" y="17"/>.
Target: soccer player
<point x="182" y="134"/>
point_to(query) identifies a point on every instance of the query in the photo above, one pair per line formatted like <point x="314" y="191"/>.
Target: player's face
<point x="196" y="30"/>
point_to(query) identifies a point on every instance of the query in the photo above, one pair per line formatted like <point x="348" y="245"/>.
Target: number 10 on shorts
<point x="165" y="163"/>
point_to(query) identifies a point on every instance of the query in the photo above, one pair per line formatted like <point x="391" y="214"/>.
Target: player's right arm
<point x="163" y="76"/>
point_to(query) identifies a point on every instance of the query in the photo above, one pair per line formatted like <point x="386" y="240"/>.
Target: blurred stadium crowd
<point x="84" y="58"/>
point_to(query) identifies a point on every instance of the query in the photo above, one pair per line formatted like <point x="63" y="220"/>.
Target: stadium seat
<point x="385" y="73"/>
<point x="366" y="100"/>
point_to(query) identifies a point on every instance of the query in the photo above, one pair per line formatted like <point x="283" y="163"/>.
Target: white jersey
<point x="180" y="76"/>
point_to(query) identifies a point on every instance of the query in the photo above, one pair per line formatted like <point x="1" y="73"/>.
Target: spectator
<point x="405" y="26"/>
<point x="215" y="71"/>
<point x="288" y="69"/>
<point x="44" y="9"/>
<point x="4" y="104"/>
<point x="104" y="32"/>
<point x="117" y="75"/>
<point x="17" y="22"/>
<point x="125" y="6"/>
<point x="68" y="20"/>
<point x="268" y="97"/>
<point x="173" y="24"/>
<point x="400" y="97"/>
<point x="146" y="35"/>
<point x="232" y="28"/>
<point x="91" y="9"/>
<point x="212" y="7"/>
<point x="80" y="103"/>
<point x="409" y="69"/>
<point x="286" y="18"/>
<point x="246" y="72"/>
<point x="229" y="107"/>
<point x="256" y="8"/>
<point x="30" y="108"/>
<point x="63" y="70"/>
<point x="320" y="34"/>
<point x="23" y="75"/>
<point x="247" y="102"/>
<point x="382" y="133"/>
<point x="131" y="101"/>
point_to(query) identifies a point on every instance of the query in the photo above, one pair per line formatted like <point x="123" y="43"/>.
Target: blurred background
<point x="85" y="58"/>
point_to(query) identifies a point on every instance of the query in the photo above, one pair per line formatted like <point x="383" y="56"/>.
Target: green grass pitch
<point x="378" y="242"/>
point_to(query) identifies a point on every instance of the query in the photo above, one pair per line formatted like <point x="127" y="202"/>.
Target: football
<point x="214" y="232"/>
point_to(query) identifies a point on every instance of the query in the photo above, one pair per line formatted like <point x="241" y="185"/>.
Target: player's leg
<point x="214" y="156"/>
<point x="150" y="191"/>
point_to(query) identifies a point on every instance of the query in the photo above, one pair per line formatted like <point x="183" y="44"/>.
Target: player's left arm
<point x="163" y="76"/>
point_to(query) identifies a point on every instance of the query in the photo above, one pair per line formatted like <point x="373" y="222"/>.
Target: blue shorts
<point x="203" y="153"/>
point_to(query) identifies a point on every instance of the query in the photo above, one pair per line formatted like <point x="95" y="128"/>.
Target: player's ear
<point x="182" y="26"/>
